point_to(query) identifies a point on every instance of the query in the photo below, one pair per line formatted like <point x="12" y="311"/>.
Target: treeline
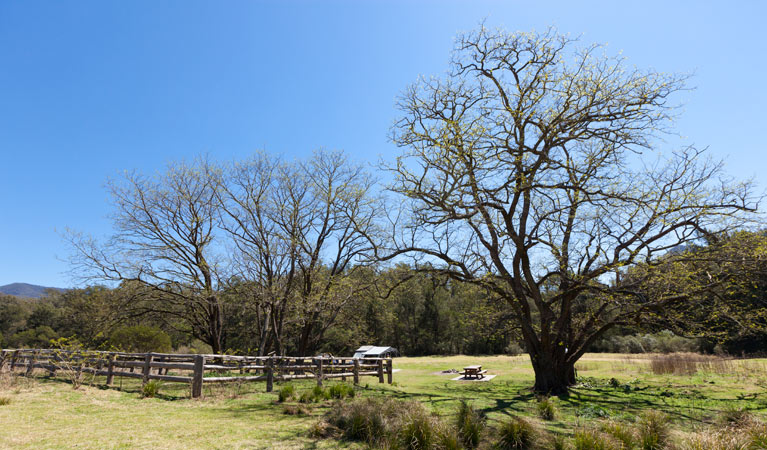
<point x="423" y="315"/>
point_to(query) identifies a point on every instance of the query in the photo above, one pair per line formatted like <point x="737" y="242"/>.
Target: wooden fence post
<point x="3" y="357"/>
<point x="319" y="372"/>
<point x="14" y="358"/>
<point x="199" y="370"/>
<point x="356" y="371"/>
<point x="389" y="370"/>
<point x="147" y="367"/>
<point x="31" y="363"/>
<point x="380" y="371"/>
<point x="110" y="369"/>
<point x="269" y="374"/>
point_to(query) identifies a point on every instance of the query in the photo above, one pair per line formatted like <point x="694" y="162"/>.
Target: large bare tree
<point x="532" y="170"/>
<point x="300" y="231"/>
<point x="162" y="248"/>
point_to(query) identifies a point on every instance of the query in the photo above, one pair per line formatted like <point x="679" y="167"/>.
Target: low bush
<point x="366" y="419"/>
<point x="316" y="394"/>
<point x="546" y="408"/>
<point x="341" y="390"/>
<point x="470" y="424"/>
<point x="390" y="424"/>
<point x="286" y="393"/>
<point x="141" y="339"/>
<point x="5" y="401"/>
<point x="150" y="389"/>
<point x="661" y="342"/>
<point x="516" y="434"/>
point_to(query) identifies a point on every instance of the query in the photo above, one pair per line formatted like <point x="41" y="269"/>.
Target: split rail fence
<point x="196" y="370"/>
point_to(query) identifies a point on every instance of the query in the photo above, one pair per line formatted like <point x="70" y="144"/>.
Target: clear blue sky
<point x="91" y="88"/>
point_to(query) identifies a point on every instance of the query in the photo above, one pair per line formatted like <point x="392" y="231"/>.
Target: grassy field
<point x="48" y="413"/>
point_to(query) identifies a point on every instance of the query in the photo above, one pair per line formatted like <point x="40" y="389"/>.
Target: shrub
<point x="286" y="393"/>
<point x="653" y="430"/>
<point x="514" y="349"/>
<point x="141" y="339"/>
<point x="546" y="408"/>
<point x="341" y="390"/>
<point x="469" y="424"/>
<point x="150" y="389"/>
<point x="306" y="397"/>
<point x="5" y="401"/>
<point x="319" y="394"/>
<point x="516" y="434"/>
<point x="38" y="337"/>
<point x="316" y="394"/>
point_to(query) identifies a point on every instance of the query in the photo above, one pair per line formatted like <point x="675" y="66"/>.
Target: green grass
<point x="43" y="413"/>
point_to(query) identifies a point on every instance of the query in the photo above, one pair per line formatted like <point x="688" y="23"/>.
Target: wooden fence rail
<point x="195" y="370"/>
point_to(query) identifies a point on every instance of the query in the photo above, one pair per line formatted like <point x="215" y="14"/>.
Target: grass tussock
<point x="735" y="416"/>
<point x="286" y="393"/>
<point x="5" y="401"/>
<point x="296" y="410"/>
<point x="546" y="408"/>
<point x="150" y="389"/>
<point x="470" y="424"/>
<point x="593" y="439"/>
<point x="622" y="433"/>
<point x="654" y="431"/>
<point x="517" y="434"/>
<point x="398" y="424"/>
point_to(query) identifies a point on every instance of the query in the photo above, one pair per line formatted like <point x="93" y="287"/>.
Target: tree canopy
<point x="533" y="170"/>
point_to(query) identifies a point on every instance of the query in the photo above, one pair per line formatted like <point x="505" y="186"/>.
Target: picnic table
<point x="474" y="372"/>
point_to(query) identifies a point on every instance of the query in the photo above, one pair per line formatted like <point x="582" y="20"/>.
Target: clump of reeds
<point x="470" y="425"/>
<point x="689" y="364"/>
<point x="517" y="434"/>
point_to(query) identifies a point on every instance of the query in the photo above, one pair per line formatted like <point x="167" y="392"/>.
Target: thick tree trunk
<point x="215" y="325"/>
<point x="553" y="374"/>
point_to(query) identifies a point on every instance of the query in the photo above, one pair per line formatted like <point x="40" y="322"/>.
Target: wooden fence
<point x="195" y="370"/>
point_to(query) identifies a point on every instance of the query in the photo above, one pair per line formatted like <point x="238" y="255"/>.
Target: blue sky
<point x="91" y="88"/>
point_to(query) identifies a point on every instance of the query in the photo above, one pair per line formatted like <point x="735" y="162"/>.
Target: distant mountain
<point x="26" y="290"/>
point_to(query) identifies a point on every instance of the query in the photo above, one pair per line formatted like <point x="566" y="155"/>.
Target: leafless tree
<point x="301" y="231"/>
<point x="163" y="247"/>
<point x="532" y="170"/>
